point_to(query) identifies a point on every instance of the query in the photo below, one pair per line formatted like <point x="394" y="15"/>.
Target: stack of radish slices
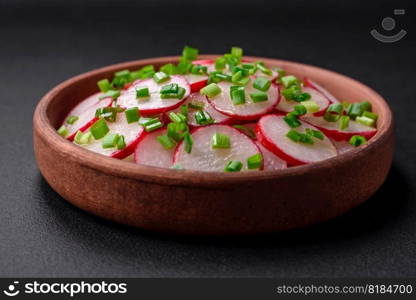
<point x="222" y="115"/>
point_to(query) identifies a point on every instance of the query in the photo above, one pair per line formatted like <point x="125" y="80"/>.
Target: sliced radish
<point x="196" y="82"/>
<point x="201" y="99"/>
<point x="342" y="146"/>
<point x="332" y="130"/>
<point x="204" y="158"/>
<point x="271" y="132"/>
<point x="85" y="111"/>
<point x="288" y="105"/>
<point x="150" y="152"/>
<point x="323" y="91"/>
<point x="249" y="129"/>
<point x="249" y="110"/>
<point x="270" y="160"/>
<point x="154" y="104"/>
<point x="132" y="133"/>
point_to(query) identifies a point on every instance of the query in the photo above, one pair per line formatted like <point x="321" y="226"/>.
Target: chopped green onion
<point x="370" y="115"/>
<point x="344" y="122"/>
<point x="104" y="85"/>
<point x="237" y="52"/>
<point x="314" y="133"/>
<point x="300" y="110"/>
<point x="177" y="117"/>
<point x="189" y="53"/>
<point x="63" y="131"/>
<point x="365" y="121"/>
<point x="220" y="63"/>
<point x="295" y="93"/>
<point x="246" y="130"/>
<point x="262" y="84"/>
<point x="203" y="118"/>
<point x="142" y="93"/>
<point x="333" y="112"/>
<point x="280" y="71"/>
<point x="153" y="126"/>
<point x="169" y="89"/>
<point x="222" y="76"/>
<point x="110" y="140"/>
<point x="220" y="141"/>
<point x="237" y="94"/>
<point x="165" y="141"/>
<point x="357" y="140"/>
<point x="176" y="131"/>
<point x="160" y="77"/>
<point x="263" y="69"/>
<point x="85" y="139"/>
<point x="289" y="81"/>
<point x="185" y="111"/>
<point x="199" y="69"/>
<point x="243" y="81"/>
<point x="196" y="105"/>
<point x="211" y="90"/>
<point x="233" y="166"/>
<point x="181" y="92"/>
<point x="143" y="73"/>
<point x="299" y="137"/>
<point x="357" y="109"/>
<point x="292" y="120"/>
<point x="132" y="114"/>
<point x="121" y="78"/>
<point x="111" y="93"/>
<point x="187" y="138"/>
<point x="72" y="119"/>
<point x="147" y="121"/>
<point x="237" y="76"/>
<point x="108" y="113"/>
<point x="99" y="129"/>
<point x="169" y="69"/>
<point x="311" y="106"/>
<point x="255" y="161"/>
<point x="258" y="96"/>
<point x="121" y="143"/>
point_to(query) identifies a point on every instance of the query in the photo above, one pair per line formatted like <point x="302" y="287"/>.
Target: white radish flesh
<point x="289" y="105"/>
<point x="270" y="160"/>
<point x="204" y="158"/>
<point x="150" y="152"/>
<point x="322" y="90"/>
<point x="272" y="130"/>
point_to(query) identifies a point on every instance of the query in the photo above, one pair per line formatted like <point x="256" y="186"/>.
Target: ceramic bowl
<point x="201" y="203"/>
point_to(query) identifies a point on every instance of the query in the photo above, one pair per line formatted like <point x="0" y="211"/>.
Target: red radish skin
<point x="204" y="158"/>
<point x="216" y="115"/>
<point x="150" y="152"/>
<point x="249" y="110"/>
<point x="196" y="82"/>
<point x="132" y="133"/>
<point x="289" y="105"/>
<point x="332" y="130"/>
<point x="153" y="105"/>
<point x="320" y="89"/>
<point x="271" y="161"/>
<point x="271" y="132"/>
<point x="85" y="111"/>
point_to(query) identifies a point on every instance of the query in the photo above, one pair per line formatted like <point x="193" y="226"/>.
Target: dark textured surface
<point x="50" y="41"/>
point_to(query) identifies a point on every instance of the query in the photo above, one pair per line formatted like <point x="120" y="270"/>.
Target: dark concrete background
<point x="45" y="42"/>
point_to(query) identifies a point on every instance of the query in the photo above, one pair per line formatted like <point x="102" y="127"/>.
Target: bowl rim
<point x="119" y="168"/>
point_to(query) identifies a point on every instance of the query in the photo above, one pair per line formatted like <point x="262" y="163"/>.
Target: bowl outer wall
<point x="192" y="202"/>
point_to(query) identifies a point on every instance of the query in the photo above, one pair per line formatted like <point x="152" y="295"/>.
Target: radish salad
<point x="223" y="115"/>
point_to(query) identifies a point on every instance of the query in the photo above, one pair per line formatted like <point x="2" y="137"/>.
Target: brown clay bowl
<point x="192" y="202"/>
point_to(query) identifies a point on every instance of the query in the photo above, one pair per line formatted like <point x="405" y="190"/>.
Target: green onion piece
<point x="280" y="71"/>
<point x="63" y="131"/>
<point x="262" y="84"/>
<point x="165" y="141"/>
<point x="220" y="63"/>
<point x="199" y="69"/>
<point x="344" y="122"/>
<point x="222" y="76"/>
<point x="233" y="166"/>
<point x="169" y="69"/>
<point x="237" y="76"/>
<point x="196" y="105"/>
<point x="78" y="136"/>
<point x="110" y="140"/>
<point x="177" y="117"/>
<point x="203" y="118"/>
<point x="292" y="120"/>
<point x="243" y="81"/>
<point x="111" y="93"/>
<point x="357" y="109"/>
<point x="121" y="78"/>
<point x="121" y="143"/>
<point x="220" y="141"/>
<point x="189" y="53"/>
<point x="365" y="121"/>
<point x="187" y="139"/>
<point x="289" y="81"/>
<point x="237" y="52"/>
<point x="357" y="140"/>
<point x="85" y="139"/>
<point x="160" y="77"/>
<point x="153" y="126"/>
<point x="255" y="161"/>
<point x="236" y="69"/>
<point x="142" y="93"/>
<point x="263" y="69"/>
<point x="258" y="96"/>
<point x="132" y="114"/>
<point x="185" y="111"/>
<point x="314" y="133"/>
<point x="72" y="119"/>
<point x="143" y="73"/>
<point x="237" y="94"/>
<point x="147" y="121"/>
<point x="181" y="92"/>
<point x="176" y="131"/>
<point x="345" y="104"/>
<point x="300" y="110"/>
<point x="99" y="129"/>
<point x="169" y="89"/>
<point x="311" y="106"/>
<point x="211" y="90"/>
<point x="370" y="115"/>
<point x="333" y="112"/>
<point x="104" y="85"/>
<point x="299" y="137"/>
<point x="246" y="131"/>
